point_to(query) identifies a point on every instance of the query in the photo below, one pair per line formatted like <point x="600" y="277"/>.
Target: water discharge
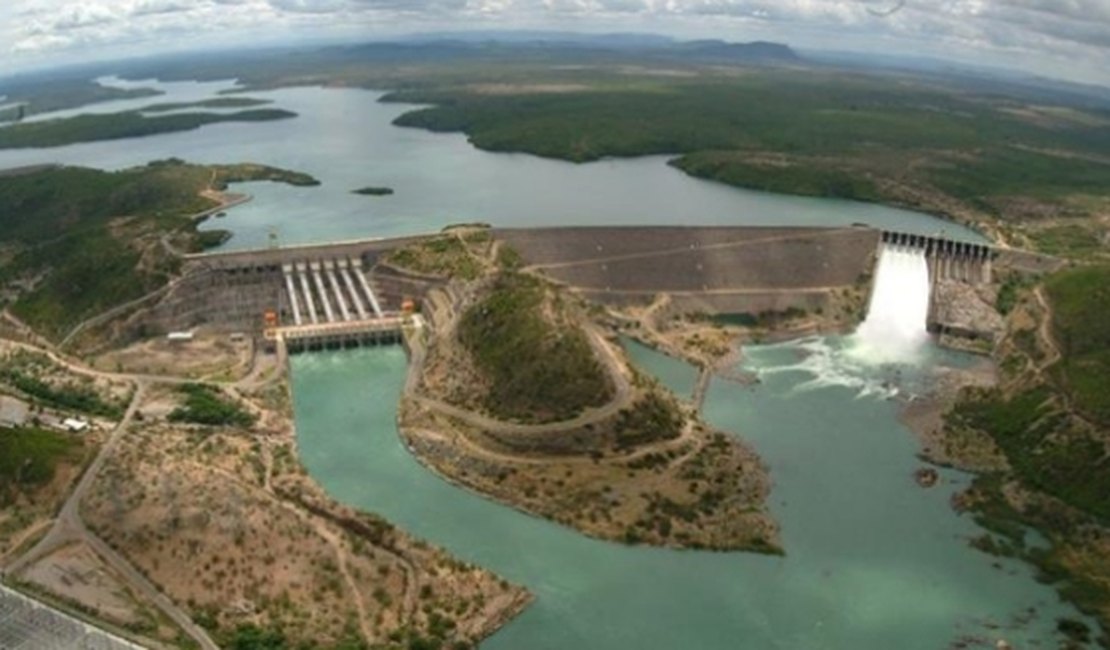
<point x="890" y="352"/>
<point x="894" y="330"/>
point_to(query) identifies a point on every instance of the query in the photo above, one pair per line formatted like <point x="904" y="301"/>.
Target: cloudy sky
<point x="1062" y="38"/>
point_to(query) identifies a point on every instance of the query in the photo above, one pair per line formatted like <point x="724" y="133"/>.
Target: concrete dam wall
<point x="713" y="269"/>
<point x="301" y="285"/>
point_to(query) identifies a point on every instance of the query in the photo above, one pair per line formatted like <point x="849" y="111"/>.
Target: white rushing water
<point x="894" y="330"/>
<point x="880" y="359"/>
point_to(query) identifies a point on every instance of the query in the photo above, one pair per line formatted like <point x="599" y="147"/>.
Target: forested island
<point x="373" y="191"/>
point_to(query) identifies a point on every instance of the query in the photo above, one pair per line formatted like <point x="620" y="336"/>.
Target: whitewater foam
<point x="879" y="359"/>
<point x="894" y="330"/>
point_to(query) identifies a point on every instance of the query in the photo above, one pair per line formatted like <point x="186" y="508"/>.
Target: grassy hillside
<point x="539" y="366"/>
<point x="75" y="242"/>
<point x="1051" y="420"/>
<point x="1080" y="301"/>
<point x="28" y="457"/>
<point x="115" y="126"/>
<point x="904" y="141"/>
<point x="444" y="255"/>
<point x="50" y="92"/>
<point x="217" y="102"/>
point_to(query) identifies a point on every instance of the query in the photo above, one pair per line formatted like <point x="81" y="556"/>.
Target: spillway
<point x="895" y="327"/>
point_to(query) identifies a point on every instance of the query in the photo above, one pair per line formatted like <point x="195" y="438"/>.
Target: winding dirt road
<point x="70" y="528"/>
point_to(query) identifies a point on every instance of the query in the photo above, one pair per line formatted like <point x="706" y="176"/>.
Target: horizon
<point x="1055" y="39"/>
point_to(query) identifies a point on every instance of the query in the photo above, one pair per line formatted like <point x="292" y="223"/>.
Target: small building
<point x="179" y="337"/>
<point x="75" y="425"/>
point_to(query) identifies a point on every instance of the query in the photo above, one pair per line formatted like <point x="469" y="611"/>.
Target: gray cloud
<point x="1055" y="32"/>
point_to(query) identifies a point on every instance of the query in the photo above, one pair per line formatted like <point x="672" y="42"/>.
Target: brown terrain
<point x="183" y="533"/>
<point x="638" y="467"/>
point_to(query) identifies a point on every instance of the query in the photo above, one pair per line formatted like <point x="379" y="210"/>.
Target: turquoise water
<point x="873" y="560"/>
<point x="344" y="137"/>
<point x="673" y="373"/>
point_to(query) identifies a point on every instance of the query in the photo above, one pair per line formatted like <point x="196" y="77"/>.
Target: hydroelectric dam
<point x="348" y="293"/>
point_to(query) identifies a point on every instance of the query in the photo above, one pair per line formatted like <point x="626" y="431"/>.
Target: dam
<point x="346" y="293"/>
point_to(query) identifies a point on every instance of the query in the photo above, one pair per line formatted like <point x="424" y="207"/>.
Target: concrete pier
<point x="340" y="334"/>
<point x="948" y="260"/>
<point x="345" y="273"/>
<point x="321" y="293"/>
<point x="294" y="303"/>
<point x="302" y="272"/>
<point x="329" y="270"/>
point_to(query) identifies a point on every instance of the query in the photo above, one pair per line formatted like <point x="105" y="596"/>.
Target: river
<point x="873" y="561"/>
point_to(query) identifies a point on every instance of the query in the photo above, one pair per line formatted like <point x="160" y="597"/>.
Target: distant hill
<point x="725" y="51"/>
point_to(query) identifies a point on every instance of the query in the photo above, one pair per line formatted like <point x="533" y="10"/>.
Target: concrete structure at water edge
<point x="307" y="297"/>
<point x="961" y="300"/>
<point x="948" y="259"/>
<point x="713" y="270"/>
<point x="344" y="294"/>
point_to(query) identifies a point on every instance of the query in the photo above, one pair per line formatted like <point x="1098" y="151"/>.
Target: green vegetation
<point x="1009" y="291"/>
<point x="252" y="637"/>
<point x="653" y="418"/>
<point x="81" y="241"/>
<point x="538" y="367"/>
<point x="1080" y="300"/>
<point x="49" y="93"/>
<point x="207" y="405"/>
<point x="735" y="168"/>
<point x="1088" y="588"/>
<point x="374" y="191"/>
<point x="245" y="172"/>
<point x="1052" y="431"/>
<point x="70" y="396"/>
<point x="442" y="255"/>
<point x="1047" y="451"/>
<point x="1071" y="240"/>
<point x="218" y="102"/>
<point x="904" y="142"/>
<point x="114" y="126"/>
<point x="767" y="318"/>
<point x="28" y="457"/>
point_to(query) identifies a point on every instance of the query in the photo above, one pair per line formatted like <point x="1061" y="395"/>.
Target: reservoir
<point x="873" y="561"/>
<point x="344" y="137"/>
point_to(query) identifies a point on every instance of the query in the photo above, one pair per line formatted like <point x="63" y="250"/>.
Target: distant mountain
<point x="725" y="51"/>
<point x="980" y="78"/>
<point x="645" y="44"/>
<point x="620" y="40"/>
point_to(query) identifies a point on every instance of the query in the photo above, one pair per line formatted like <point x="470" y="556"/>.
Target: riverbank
<point x="1014" y="421"/>
<point x="195" y="508"/>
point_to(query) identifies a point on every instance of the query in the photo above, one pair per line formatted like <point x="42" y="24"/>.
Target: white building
<point x="75" y="425"/>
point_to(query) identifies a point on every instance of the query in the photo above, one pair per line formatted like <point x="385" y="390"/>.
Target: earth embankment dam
<point x="710" y="269"/>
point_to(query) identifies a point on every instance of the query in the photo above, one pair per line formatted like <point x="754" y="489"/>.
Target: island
<point x="373" y="191"/>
